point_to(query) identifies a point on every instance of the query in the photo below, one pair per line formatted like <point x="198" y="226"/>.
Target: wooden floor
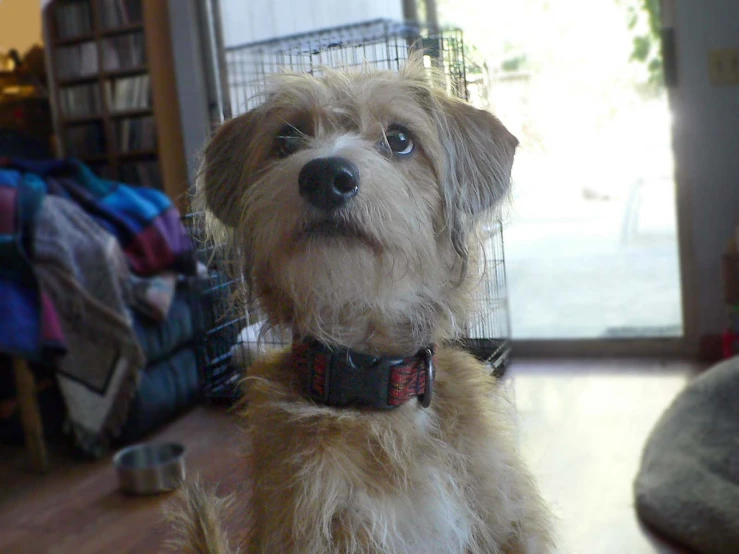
<point x="583" y="426"/>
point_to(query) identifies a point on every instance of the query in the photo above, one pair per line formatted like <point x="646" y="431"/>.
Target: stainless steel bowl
<point x="150" y="468"/>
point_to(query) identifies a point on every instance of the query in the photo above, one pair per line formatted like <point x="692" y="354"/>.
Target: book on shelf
<point x="80" y="100"/>
<point x="73" y="19"/>
<point x="123" y="52"/>
<point x="119" y="13"/>
<point x="80" y="60"/>
<point x="136" y="133"/>
<point x="85" y="140"/>
<point x="128" y="93"/>
<point x="141" y="173"/>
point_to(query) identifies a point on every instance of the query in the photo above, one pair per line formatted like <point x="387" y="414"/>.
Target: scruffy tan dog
<point x="351" y="201"/>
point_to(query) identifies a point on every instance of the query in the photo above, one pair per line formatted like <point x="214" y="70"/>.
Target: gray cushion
<point x="688" y="484"/>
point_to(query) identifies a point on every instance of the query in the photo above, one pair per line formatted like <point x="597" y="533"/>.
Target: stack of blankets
<point x="98" y="281"/>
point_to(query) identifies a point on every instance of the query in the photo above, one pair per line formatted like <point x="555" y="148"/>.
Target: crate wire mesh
<point x="234" y="338"/>
<point x="214" y="308"/>
<point x="381" y="44"/>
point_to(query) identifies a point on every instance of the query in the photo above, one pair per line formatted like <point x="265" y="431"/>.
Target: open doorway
<point x="591" y="243"/>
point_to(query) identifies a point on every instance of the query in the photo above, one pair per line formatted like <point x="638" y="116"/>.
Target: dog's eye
<point x="289" y="141"/>
<point x="399" y="141"/>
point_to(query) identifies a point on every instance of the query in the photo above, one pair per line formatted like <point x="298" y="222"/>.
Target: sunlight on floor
<point x="583" y="427"/>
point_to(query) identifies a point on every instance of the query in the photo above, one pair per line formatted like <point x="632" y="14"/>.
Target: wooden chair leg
<point x="30" y="415"/>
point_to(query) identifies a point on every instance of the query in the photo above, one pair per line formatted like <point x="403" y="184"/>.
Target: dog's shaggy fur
<point x="393" y="274"/>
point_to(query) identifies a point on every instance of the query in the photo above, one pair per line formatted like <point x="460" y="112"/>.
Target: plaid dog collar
<point x="342" y="377"/>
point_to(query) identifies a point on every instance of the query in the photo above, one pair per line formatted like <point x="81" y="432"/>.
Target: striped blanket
<point x="60" y="290"/>
<point x="145" y="222"/>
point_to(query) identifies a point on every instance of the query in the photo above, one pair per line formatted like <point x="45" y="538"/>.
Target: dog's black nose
<point x="327" y="183"/>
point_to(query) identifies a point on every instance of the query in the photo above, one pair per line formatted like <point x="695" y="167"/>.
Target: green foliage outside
<point x="644" y="21"/>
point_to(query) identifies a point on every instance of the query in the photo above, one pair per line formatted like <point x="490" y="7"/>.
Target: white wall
<point x="706" y="138"/>
<point x="253" y="20"/>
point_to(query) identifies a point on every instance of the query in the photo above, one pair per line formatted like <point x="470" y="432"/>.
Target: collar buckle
<point x="425" y="397"/>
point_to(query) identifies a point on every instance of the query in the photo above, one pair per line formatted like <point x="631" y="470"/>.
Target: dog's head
<point x="352" y="198"/>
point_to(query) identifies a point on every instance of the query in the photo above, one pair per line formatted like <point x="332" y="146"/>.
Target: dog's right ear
<point x="227" y="163"/>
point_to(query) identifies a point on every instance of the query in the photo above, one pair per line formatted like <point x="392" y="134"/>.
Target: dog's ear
<point x="479" y="154"/>
<point x="227" y="162"/>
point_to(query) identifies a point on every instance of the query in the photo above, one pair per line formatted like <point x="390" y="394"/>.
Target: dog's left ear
<point x="228" y="163"/>
<point x="479" y="154"/>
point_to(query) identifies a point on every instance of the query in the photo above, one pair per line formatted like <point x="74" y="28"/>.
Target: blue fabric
<point x="166" y="389"/>
<point x="171" y="381"/>
<point x="158" y="339"/>
<point x="29" y="326"/>
<point x="144" y="220"/>
<point x="20" y="323"/>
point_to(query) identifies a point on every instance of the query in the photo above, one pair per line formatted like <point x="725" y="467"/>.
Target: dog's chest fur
<point x="441" y="480"/>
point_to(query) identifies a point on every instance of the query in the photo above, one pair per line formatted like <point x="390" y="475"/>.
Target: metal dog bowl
<point x="150" y="468"/>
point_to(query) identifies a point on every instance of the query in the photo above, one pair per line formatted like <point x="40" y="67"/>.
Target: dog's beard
<point x="324" y="229"/>
<point x="330" y="227"/>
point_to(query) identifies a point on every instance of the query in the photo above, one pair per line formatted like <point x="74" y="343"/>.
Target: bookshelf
<point x="111" y="78"/>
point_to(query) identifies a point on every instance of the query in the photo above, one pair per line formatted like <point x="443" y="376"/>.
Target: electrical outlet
<point x="723" y="66"/>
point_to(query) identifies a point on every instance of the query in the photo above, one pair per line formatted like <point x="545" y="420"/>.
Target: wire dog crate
<point x="234" y="338"/>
